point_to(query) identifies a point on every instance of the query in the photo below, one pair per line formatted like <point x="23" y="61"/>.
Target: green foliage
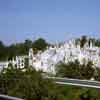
<point x="83" y="41"/>
<point x="97" y="43"/>
<point x="75" y="70"/>
<point x="68" y="70"/>
<point x="97" y="74"/>
<point x="29" y="85"/>
<point x="39" y="44"/>
<point x="79" y="93"/>
<point x="2" y="51"/>
<point x="7" y="52"/>
<point x="87" y="71"/>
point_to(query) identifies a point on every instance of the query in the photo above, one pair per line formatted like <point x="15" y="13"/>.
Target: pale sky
<point x="53" y="20"/>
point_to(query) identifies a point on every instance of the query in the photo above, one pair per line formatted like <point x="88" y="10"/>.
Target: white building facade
<point x="65" y="52"/>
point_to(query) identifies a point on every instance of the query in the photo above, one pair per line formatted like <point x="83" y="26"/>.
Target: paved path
<point x="77" y="82"/>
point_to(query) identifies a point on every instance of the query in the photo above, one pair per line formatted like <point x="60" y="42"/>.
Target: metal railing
<point x="76" y="82"/>
<point x="6" y="97"/>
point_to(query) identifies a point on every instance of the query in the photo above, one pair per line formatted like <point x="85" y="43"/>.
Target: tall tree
<point x="83" y="41"/>
<point x="40" y="44"/>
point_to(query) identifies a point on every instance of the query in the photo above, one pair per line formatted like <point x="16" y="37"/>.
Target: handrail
<point x="6" y="97"/>
<point x="76" y="82"/>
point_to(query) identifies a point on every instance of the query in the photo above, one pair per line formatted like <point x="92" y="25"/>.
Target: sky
<point x="53" y="20"/>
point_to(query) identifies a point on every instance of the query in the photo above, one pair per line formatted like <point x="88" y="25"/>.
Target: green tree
<point x="97" y="74"/>
<point x="11" y="51"/>
<point x="7" y="52"/>
<point x="40" y="44"/>
<point x="87" y="70"/>
<point x="27" y="45"/>
<point x="70" y="70"/>
<point x="2" y="51"/>
<point x="29" y="85"/>
<point x="75" y="70"/>
<point x="83" y="41"/>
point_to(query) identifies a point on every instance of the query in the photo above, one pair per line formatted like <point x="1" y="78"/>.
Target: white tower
<point x="91" y="45"/>
<point x="31" y="55"/>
